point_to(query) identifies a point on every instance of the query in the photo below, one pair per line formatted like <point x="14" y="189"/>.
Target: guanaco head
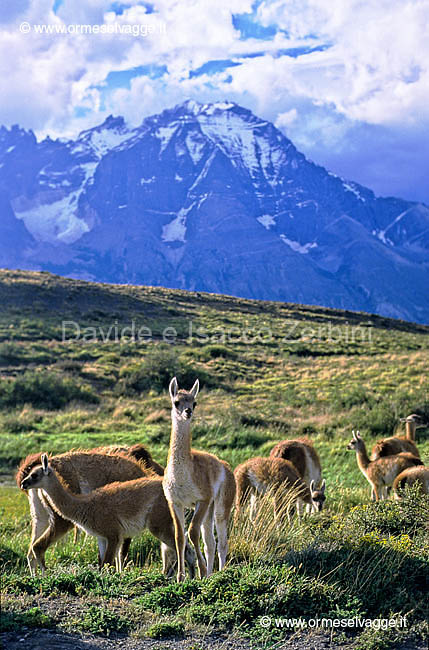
<point x="417" y="420"/>
<point x="183" y="401"/>
<point x="37" y="475"/>
<point x="318" y="495"/>
<point x="356" y="443"/>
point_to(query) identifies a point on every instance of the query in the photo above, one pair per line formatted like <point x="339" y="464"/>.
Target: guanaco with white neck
<point x="380" y="473"/>
<point x="112" y="513"/>
<point x="199" y="480"/>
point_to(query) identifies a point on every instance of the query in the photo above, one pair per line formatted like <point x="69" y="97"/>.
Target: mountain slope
<point x="210" y="197"/>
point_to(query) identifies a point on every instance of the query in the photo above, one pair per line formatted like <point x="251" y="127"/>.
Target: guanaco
<point x="138" y="452"/>
<point x="112" y="513"/>
<point x="380" y="473"/>
<point x="198" y="480"/>
<point x="301" y="453"/>
<point x="82" y="471"/>
<point x="411" y="476"/>
<point x="259" y="475"/>
<point x="397" y="444"/>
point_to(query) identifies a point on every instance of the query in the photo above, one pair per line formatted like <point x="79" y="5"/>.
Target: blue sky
<point x="348" y="82"/>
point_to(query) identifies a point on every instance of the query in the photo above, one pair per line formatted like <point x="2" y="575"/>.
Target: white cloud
<point x="286" y="119"/>
<point x="377" y="68"/>
<point x="374" y="70"/>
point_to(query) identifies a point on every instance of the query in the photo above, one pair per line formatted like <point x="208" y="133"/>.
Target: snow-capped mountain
<point x="209" y="197"/>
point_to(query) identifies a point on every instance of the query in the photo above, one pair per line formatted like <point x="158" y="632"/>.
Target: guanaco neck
<point x="410" y="431"/>
<point x="62" y="500"/>
<point x="306" y="495"/>
<point x="362" y="458"/>
<point x="179" y="453"/>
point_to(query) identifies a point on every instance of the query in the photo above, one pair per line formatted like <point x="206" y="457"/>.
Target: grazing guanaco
<point x="260" y="475"/>
<point x="199" y="480"/>
<point x="112" y="513"/>
<point x="410" y="477"/>
<point x="380" y="473"/>
<point x="397" y="444"/>
<point x="82" y="471"/>
<point x="301" y="453"/>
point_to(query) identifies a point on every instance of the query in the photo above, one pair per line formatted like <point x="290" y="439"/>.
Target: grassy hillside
<point x="83" y="364"/>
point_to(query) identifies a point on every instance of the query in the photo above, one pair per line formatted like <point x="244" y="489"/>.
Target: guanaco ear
<point x="354" y="435"/>
<point x="358" y="436"/>
<point x="45" y="463"/>
<point x="173" y="388"/>
<point x="195" y="388"/>
<point x="323" y="486"/>
<point x="312" y="485"/>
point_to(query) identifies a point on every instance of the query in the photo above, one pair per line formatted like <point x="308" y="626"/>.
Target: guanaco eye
<point x="177" y="403"/>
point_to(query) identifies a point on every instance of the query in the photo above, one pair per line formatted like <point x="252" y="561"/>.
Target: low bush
<point x="208" y="352"/>
<point x="33" y="617"/>
<point x="11" y="353"/>
<point x="156" y="371"/>
<point x="44" y="390"/>
<point x="100" y="620"/>
<point x="166" y="630"/>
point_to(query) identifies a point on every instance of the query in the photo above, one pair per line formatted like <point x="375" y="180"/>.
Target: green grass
<point x="268" y="371"/>
<point x="33" y="617"/>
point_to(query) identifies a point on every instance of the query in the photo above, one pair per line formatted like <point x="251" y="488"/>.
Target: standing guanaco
<point x="82" y="471"/>
<point x="380" y="473"/>
<point x="199" y="480"/>
<point x="112" y="513"/>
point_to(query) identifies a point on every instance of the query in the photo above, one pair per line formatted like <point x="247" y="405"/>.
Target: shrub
<point x="168" y="599"/>
<point x="237" y="596"/>
<point x="166" y="630"/>
<point x="43" y="390"/>
<point x="27" y="420"/>
<point x="407" y="516"/>
<point x="354" y="396"/>
<point x="11" y="353"/>
<point x="379" y="420"/>
<point x="208" y="352"/>
<point x="100" y="620"/>
<point x="77" y="580"/>
<point x="157" y="370"/>
<point x="33" y="617"/>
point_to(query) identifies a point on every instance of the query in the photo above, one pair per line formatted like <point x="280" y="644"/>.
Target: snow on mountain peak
<point x="197" y="108"/>
<point x="101" y="139"/>
<point x="239" y="134"/>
